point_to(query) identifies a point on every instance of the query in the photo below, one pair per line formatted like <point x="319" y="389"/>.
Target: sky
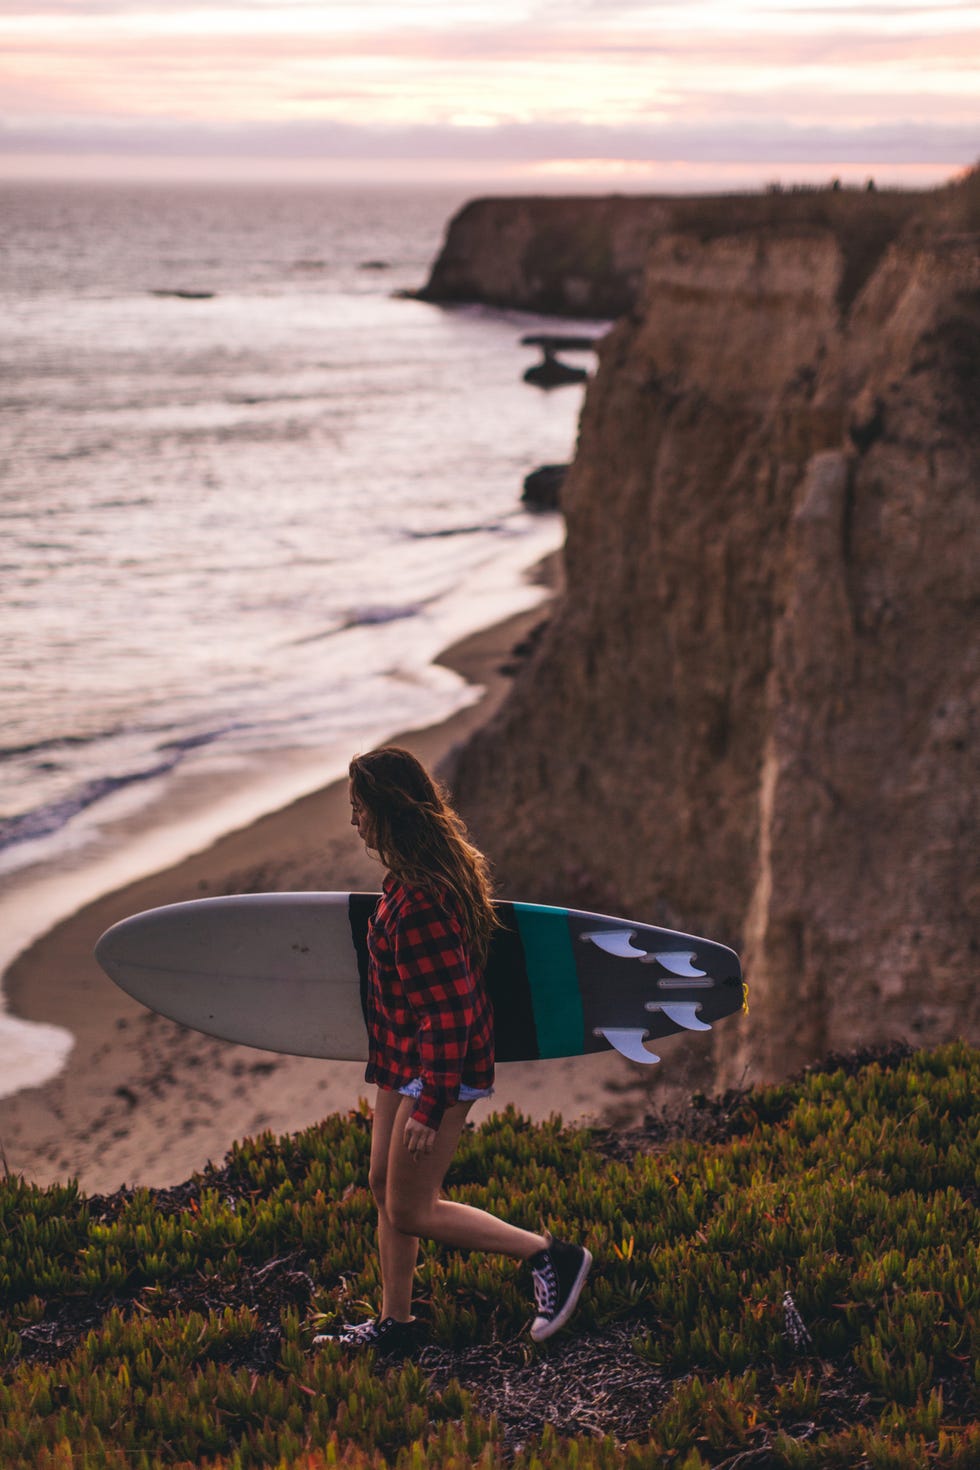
<point x="679" y="95"/>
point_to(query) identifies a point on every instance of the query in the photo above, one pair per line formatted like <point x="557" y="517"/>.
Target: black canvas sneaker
<point x="388" y="1337"/>
<point x="559" y="1275"/>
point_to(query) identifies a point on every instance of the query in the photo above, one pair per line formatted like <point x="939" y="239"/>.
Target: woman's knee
<point x="378" y="1185"/>
<point x="407" y="1215"/>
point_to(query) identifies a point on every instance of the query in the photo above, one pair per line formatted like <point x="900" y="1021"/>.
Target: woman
<point x="430" y="1046"/>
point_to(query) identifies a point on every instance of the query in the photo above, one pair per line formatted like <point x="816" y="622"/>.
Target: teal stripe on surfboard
<point x="553" y="979"/>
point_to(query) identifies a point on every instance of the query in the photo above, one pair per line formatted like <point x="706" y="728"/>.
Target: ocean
<point x="248" y="492"/>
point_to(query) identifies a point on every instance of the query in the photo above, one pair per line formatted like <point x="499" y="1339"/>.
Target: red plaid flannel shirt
<point x="428" y="1013"/>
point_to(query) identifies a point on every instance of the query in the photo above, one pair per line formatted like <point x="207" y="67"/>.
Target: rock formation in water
<point x="754" y="711"/>
<point x="542" y="488"/>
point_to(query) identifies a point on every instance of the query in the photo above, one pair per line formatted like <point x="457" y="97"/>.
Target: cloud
<point x="491" y="41"/>
<point x="897" y="143"/>
<point x="553" y="80"/>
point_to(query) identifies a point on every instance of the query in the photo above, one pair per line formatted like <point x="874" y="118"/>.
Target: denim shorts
<point x="466" y="1094"/>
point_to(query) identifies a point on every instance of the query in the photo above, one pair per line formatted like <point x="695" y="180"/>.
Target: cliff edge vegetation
<point x="787" y="1276"/>
<point x="754" y="712"/>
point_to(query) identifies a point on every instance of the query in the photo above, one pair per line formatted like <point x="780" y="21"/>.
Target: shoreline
<point x="143" y="1101"/>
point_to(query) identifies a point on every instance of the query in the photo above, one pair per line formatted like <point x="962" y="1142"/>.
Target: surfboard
<point x="288" y="971"/>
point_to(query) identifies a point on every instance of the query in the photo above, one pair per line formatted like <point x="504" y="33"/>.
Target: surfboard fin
<point x="619" y="942"/>
<point x="616" y="941"/>
<point x="682" y="1013"/>
<point x="629" y="1044"/>
<point x="677" y="961"/>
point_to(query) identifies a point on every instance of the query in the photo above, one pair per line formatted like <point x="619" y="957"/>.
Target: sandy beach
<point x="144" y="1101"/>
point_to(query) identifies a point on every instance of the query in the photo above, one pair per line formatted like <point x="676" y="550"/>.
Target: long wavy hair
<point x="421" y="839"/>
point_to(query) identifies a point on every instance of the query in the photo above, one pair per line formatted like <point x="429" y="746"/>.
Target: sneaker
<point x="559" y="1275"/>
<point x="388" y="1337"/>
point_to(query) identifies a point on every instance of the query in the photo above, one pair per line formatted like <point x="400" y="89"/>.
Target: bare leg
<point x="398" y="1251"/>
<point x="414" y="1206"/>
<point x="407" y="1191"/>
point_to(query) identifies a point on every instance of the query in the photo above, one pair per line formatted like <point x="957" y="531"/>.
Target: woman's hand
<point x="419" y="1139"/>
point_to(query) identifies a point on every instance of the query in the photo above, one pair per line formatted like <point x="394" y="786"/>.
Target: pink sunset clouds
<point x="675" y="95"/>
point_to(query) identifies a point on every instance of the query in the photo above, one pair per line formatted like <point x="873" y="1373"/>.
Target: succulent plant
<point x="173" y="1328"/>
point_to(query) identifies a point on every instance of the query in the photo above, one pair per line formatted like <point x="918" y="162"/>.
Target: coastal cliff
<point x="586" y="257"/>
<point x="753" y="713"/>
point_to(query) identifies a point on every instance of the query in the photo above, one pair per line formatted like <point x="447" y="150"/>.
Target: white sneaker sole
<point x="544" y="1327"/>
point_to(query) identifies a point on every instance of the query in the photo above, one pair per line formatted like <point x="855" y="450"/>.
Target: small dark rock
<point x="542" y="487"/>
<point x="551" y="342"/>
<point x="187" y="295"/>
<point x="554" y="374"/>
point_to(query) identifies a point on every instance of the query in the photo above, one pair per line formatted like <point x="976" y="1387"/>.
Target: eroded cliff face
<point x="586" y="256"/>
<point x="754" y="711"/>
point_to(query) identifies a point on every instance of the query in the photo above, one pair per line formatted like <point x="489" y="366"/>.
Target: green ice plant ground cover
<point x="797" y="1288"/>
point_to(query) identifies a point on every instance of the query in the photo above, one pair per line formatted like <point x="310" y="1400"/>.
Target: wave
<point x="207" y="737"/>
<point x="483" y="528"/>
<point x="372" y="615"/>
<point x="57" y="742"/>
<point x="53" y="816"/>
<point x="138" y="502"/>
<point x="376" y="615"/>
<point x="276" y="395"/>
<point x="83" y="451"/>
<point x="44" y="820"/>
